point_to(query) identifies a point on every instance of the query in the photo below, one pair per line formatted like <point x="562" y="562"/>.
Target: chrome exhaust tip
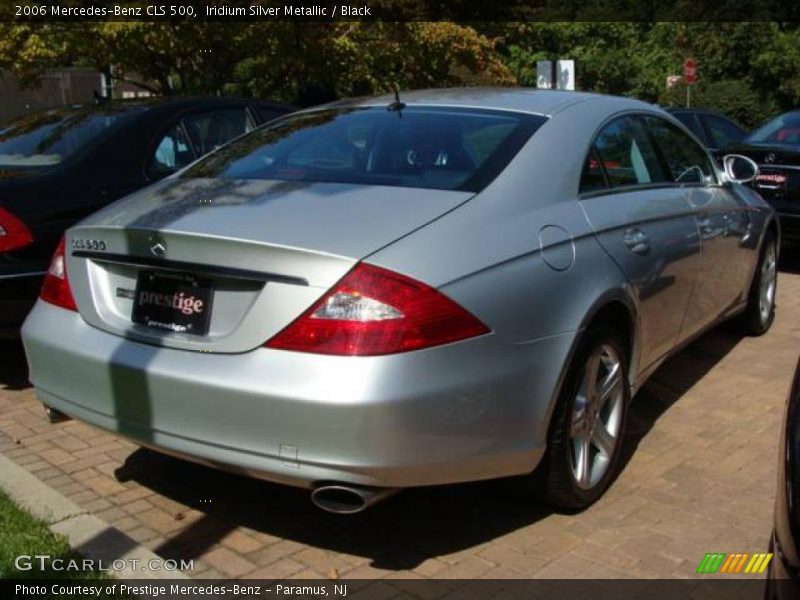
<point x="55" y="416"/>
<point x="343" y="499"/>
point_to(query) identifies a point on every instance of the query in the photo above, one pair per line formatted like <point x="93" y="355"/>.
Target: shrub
<point x="732" y="97"/>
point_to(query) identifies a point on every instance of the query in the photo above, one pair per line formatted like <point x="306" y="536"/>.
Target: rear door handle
<point x="637" y="241"/>
<point x="705" y="225"/>
<point x="748" y="232"/>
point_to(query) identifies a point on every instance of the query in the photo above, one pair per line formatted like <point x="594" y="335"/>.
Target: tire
<point x="759" y="314"/>
<point x="563" y="480"/>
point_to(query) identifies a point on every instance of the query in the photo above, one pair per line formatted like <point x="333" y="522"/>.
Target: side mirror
<point x="740" y="169"/>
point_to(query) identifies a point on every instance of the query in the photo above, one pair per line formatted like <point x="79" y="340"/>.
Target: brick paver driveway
<point x="699" y="477"/>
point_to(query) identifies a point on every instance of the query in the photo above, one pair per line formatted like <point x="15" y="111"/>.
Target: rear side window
<point x="195" y="135"/>
<point x="723" y="132"/>
<point x="692" y="124"/>
<point x="784" y="128"/>
<point x="208" y="131"/>
<point x="173" y="152"/>
<point x="48" y="138"/>
<point x="593" y="177"/>
<point x="686" y="161"/>
<point x="425" y="147"/>
<point x="623" y="153"/>
<point x="267" y="114"/>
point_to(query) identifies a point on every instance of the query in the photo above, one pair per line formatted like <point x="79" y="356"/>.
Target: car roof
<point x="211" y="101"/>
<point x="794" y="112"/>
<point x="528" y="100"/>
<point x="705" y="111"/>
<point x="159" y="103"/>
<point x="674" y="110"/>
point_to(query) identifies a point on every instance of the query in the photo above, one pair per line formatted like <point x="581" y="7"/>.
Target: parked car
<point x="715" y="130"/>
<point x="775" y="146"/>
<point x="384" y="293"/>
<point x="58" y="166"/>
<point x="784" y="570"/>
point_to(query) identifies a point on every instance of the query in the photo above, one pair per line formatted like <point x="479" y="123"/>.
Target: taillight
<point x="372" y="311"/>
<point x="13" y="233"/>
<point x="55" y="289"/>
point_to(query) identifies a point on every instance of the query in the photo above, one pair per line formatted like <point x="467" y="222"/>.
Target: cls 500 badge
<point x="81" y="244"/>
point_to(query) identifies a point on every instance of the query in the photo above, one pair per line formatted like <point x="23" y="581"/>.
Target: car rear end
<point x="25" y="247"/>
<point x="41" y="159"/>
<point x="775" y="147"/>
<point x="778" y="182"/>
<point x="256" y="383"/>
<point x="241" y="324"/>
<point x="20" y="280"/>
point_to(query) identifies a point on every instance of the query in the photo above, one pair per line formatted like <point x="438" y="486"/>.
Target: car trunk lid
<point x="255" y="253"/>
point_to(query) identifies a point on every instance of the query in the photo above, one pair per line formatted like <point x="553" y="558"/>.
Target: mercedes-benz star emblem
<point x="770" y="157"/>
<point x="159" y="248"/>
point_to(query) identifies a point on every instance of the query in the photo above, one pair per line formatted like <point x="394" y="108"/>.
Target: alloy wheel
<point x="598" y="406"/>
<point x="769" y="273"/>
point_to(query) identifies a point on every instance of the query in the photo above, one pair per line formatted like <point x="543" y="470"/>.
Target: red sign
<point x="689" y="71"/>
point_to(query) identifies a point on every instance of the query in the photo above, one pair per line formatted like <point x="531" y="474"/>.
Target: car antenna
<point x="397" y="105"/>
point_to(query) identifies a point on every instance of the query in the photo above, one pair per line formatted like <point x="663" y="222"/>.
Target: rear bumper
<point x="474" y="410"/>
<point x="18" y="292"/>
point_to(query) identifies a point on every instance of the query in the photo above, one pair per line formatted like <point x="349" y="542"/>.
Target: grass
<point x="24" y="535"/>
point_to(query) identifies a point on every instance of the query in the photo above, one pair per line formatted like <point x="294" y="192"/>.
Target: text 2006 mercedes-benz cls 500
<point x="390" y="292"/>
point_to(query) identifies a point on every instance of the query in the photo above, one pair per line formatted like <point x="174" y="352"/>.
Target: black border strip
<point x="727" y="587"/>
<point x="321" y="11"/>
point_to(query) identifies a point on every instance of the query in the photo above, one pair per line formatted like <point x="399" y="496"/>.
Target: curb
<point x="87" y="534"/>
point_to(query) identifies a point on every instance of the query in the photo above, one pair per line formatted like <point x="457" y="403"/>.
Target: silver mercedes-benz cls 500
<point x="382" y="293"/>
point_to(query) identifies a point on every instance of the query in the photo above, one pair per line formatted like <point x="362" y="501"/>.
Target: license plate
<point x="173" y="302"/>
<point x="771" y="179"/>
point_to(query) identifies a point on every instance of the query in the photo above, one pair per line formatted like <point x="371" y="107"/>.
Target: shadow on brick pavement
<point x="404" y="531"/>
<point x="13" y="368"/>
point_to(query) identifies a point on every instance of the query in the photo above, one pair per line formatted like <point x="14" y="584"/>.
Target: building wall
<point x="58" y="88"/>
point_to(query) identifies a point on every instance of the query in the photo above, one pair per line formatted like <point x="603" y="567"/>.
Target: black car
<point x="60" y="165"/>
<point x="716" y="131"/>
<point x="784" y="569"/>
<point x="775" y="147"/>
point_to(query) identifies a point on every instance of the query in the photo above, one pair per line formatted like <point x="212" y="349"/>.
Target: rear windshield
<point x="784" y="129"/>
<point x="424" y="147"/>
<point x="48" y="138"/>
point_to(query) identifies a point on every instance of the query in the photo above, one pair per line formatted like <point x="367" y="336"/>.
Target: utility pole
<point x="689" y="77"/>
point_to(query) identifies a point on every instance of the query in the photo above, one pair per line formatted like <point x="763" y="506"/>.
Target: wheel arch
<point x="617" y="309"/>
<point x="773" y="227"/>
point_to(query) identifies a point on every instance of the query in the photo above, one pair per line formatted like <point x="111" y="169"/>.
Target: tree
<point x="277" y="59"/>
<point x="733" y="97"/>
<point x="602" y="52"/>
<point x="757" y="64"/>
